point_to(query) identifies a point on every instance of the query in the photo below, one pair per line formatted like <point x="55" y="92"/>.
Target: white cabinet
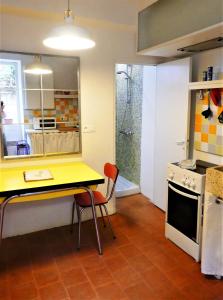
<point x="33" y="90"/>
<point x="212" y="244"/>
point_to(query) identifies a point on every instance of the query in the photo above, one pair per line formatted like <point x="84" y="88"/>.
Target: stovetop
<point x="190" y="179"/>
<point x="201" y="166"/>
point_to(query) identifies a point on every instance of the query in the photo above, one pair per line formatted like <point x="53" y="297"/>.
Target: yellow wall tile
<point x="212" y="129"/>
<point x="204" y="137"/>
<point x="212" y="139"/>
<point x="198" y="127"/>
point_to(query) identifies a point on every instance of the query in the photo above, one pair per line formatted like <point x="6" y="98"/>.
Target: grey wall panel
<point x="166" y="20"/>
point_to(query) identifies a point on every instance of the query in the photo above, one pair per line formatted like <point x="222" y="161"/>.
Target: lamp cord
<point x="68" y="13"/>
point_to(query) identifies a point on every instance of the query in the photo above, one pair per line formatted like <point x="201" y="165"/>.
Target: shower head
<point x="123" y="72"/>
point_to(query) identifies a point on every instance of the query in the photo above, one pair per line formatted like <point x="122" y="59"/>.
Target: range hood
<point x="168" y="28"/>
<point x="197" y="41"/>
<point x="203" y="46"/>
<point x="208" y="38"/>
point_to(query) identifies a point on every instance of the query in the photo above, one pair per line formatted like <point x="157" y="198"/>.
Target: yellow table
<point x="68" y="179"/>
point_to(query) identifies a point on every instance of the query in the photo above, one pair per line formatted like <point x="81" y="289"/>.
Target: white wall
<point x="200" y="63"/>
<point x="148" y="131"/>
<point x="113" y="45"/>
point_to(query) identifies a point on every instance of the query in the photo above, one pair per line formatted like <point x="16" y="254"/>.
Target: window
<point x="41" y="112"/>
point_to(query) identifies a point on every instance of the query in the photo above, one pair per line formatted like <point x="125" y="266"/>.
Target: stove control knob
<point x="183" y="180"/>
<point x="193" y="184"/>
<point x="187" y="182"/>
<point x="171" y="175"/>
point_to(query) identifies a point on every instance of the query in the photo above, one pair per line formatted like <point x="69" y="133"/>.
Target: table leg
<point x="6" y="201"/>
<point x="1" y="222"/>
<point x="95" y="219"/>
<point x="2" y="212"/>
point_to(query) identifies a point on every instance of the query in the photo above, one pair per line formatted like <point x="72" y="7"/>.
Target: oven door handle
<point x="182" y="193"/>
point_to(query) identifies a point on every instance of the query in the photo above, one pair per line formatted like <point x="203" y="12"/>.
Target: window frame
<point x="24" y="124"/>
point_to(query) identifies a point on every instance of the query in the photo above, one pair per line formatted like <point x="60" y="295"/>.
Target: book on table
<point x="34" y="175"/>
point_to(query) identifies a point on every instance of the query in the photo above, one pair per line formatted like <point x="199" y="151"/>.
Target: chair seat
<point x="84" y="200"/>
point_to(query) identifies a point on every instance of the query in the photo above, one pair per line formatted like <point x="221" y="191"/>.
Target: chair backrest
<point x="111" y="171"/>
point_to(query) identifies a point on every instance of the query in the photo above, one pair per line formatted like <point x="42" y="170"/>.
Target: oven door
<point x="183" y="210"/>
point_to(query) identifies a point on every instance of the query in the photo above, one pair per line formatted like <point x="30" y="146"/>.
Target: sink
<point x="214" y="181"/>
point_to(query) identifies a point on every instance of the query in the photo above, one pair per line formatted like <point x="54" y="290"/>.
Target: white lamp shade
<point x="69" y="37"/>
<point x="38" y="68"/>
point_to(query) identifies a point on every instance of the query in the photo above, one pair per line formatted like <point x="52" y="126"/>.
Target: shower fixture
<point x="126" y="132"/>
<point x="126" y="74"/>
<point x="126" y="129"/>
<point x="128" y="78"/>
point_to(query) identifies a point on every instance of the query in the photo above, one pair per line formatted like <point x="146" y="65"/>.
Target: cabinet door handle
<point x="182" y="193"/>
<point x="219" y="200"/>
<point x="180" y="143"/>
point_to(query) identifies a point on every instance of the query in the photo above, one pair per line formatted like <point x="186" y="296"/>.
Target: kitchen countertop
<point x="61" y="129"/>
<point x="214" y="181"/>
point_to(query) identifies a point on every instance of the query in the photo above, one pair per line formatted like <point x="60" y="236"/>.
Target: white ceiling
<point x="117" y="11"/>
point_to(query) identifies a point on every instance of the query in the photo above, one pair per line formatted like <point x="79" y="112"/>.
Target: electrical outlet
<point x="89" y="128"/>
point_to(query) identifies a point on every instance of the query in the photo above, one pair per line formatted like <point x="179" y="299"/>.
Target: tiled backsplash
<point x="66" y="110"/>
<point x="208" y="135"/>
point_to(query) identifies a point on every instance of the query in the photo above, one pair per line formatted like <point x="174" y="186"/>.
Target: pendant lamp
<point x="67" y="36"/>
<point x="37" y="67"/>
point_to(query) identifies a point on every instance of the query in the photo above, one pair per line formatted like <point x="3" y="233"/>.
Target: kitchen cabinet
<point x="212" y="244"/>
<point x="63" y="78"/>
<point x="162" y="31"/>
<point x="65" y="72"/>
<point x="212" y="248"/>
<point x="33" y="89"/>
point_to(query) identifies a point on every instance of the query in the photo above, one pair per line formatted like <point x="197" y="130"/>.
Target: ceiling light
<point x="67" y="36"/>
<point x="37" y="67"/>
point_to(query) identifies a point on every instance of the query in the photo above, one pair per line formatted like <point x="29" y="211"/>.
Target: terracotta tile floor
<point x="139" y="265"/>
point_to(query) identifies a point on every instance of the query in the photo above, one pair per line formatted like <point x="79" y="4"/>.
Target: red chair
<point x="83" y="201"/>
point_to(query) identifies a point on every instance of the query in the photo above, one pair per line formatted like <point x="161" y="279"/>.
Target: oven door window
<point x="182" y="210"/>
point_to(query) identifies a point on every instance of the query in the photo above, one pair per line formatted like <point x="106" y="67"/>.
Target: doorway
<point x="151" y="124"/>
<point x="129" y="89"/>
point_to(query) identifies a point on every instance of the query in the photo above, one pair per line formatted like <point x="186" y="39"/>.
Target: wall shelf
<point x="55" y="90"/>
<point x="65" y="96"/>
<point x="203" y="85"/>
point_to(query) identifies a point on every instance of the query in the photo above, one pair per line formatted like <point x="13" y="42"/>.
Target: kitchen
<point x="189" y="135"/>
<point x="96" y="77"/>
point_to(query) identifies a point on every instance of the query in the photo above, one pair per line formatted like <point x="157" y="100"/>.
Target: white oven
<point x="183" y="212"/>
<point x="44" y="123"/>
<point x="185" y="206"/>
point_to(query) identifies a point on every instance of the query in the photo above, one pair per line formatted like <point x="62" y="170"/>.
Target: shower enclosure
<point x="129" y="90"/>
